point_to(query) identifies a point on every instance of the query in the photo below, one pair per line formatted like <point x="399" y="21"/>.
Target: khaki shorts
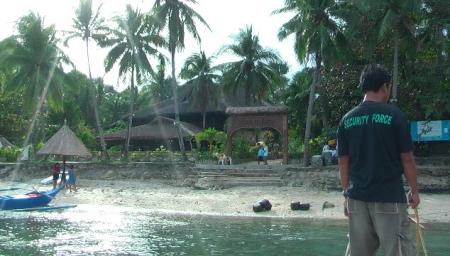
<point x="379" y="225"/>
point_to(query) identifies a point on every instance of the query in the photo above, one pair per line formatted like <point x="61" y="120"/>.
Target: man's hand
<point x="346" y="207"/>
<point x="413" y="199"/>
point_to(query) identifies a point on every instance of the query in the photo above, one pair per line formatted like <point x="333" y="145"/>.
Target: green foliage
<point x="161" y="151"/>
<point x="158" y="87"/>
<point x="115" y="149"/>
<point x="340" y="87"/>
<point x="243" y="148"/>
<point x="295" y="96"/>
<point x="257" y="73"/>
<point x="132" y="42"/>
<point x="113" y="104"/>
<point x="200" y="73"/>
<point x="316" y="145"/>
<point x="211" y="135"/>
<point x="295" y="147"/>
<point x="10" y="154"/>
<point x="119" y="125"/>
<point x="176" y="17"/>
<point x="87" y="136"/>
<point x="13" y="120"/>
<point x="34" y="58"/>
<point x="316" y="30"/>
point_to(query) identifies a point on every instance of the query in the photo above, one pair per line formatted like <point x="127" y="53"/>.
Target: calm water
<point x="91" y="230"/>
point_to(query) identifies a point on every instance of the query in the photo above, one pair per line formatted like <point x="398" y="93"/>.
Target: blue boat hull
<point x="30" y="200"/>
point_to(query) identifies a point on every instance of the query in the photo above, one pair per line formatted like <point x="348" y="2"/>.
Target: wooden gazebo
<point x="274" y="117"/>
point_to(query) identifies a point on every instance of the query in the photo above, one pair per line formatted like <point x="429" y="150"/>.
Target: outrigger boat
<point x="28" y="200"/>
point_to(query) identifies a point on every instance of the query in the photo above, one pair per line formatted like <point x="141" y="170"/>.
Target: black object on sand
<point x="298" y="206"/>
<point x="262" y="205"/>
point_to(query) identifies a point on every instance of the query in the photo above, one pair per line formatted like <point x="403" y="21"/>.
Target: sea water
<point x="100" y="230"/>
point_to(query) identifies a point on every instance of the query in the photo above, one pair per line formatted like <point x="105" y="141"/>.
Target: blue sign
<point x="430" y="130"/>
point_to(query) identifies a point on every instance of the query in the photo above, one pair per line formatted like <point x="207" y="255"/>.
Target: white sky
<point x="225" y="17"/>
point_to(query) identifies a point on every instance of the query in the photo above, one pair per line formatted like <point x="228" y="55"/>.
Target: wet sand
<point x="160" y="196"/>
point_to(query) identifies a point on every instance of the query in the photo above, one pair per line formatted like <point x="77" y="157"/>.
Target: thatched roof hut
<point x="160" y="128"/>
<point x="4" y="143"/>
<point x="64" y="143"/>
<point x="190" y="108"/>
<point x="257" y="110"/>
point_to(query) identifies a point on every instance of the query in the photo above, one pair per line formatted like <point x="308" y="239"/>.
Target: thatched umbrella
<point x="64" y="143"/>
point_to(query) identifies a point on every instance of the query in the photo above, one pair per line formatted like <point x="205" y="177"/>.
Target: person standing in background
<point x="71" y="181"/>
<point x="55" y="173"/>
<point x="260" y="153"/>
<point x="266" y="154"/>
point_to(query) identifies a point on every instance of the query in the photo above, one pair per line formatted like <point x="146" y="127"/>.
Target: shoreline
<point x="164" y="198"/>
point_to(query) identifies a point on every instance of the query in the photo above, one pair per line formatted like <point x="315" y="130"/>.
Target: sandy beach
<point x="160" y="196"/>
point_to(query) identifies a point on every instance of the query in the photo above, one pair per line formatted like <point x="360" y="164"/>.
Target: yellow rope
<point x="419" y="235"/>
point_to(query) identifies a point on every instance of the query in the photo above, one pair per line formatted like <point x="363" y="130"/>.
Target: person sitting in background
<point x="229" y="160"/>
<point x="326" y="154"/>
<point x="334" y="155"/>
<point x="220" y="158"/>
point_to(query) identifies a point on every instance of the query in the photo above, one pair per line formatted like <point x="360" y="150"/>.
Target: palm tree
<point x="316" y="34"/>
<point x="89" y="25"/>
<point x="36" y="66"/>
<point x="132" y="42"/>
<point x="177" y="16"/>
<point x="198" y="70"/>
<point x="396" y="22"/>
<point x="158" y="87"/>
<point x="257" y="71"/>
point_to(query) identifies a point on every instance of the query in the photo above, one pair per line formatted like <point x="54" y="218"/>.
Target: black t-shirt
<point x="373" y="135"/>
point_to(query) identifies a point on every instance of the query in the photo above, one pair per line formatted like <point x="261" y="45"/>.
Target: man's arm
<point x="343" y="172"/>
<point x="409" y="167"/>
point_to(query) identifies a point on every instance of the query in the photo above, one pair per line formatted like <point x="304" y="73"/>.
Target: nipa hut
<point x="160" y="131"/>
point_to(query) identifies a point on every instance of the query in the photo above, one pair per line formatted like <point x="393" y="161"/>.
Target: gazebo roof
<point x="159" y="128"/>
<point x="64" y="143"/>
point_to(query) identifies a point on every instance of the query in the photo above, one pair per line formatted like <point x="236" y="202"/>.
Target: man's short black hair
<point x="373" y="77"/>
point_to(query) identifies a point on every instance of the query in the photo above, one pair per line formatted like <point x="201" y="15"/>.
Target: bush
<point x="161" y="151"/>
<point x="316" y="145"/>
<point x="243" y="149"/>
<point x="87" y="136"/>
<point x="10" y="154"/>
<point x="216" y="139"/>
<point x="295" y="148"/>
<point x="115" y="149"/>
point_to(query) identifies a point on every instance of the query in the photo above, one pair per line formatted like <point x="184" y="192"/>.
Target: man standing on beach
<point x="375" y="149"/>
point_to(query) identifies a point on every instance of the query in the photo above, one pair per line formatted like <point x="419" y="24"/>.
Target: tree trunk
<point x="93" y="94"/>
<point x="130" y="115"/>
<point x="204" y="119"/>
<point x="394" y="97"/>
<point x="323" y="108"/>
<point x="247" y="95"/>
<point x="312" y="92"/>
<point x="175" y="103"/>
<point x="205" y="101"/>
<point x="41" y="101"/>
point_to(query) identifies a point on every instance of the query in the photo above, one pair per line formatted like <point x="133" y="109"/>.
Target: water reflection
<point x="94" y="230"/>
